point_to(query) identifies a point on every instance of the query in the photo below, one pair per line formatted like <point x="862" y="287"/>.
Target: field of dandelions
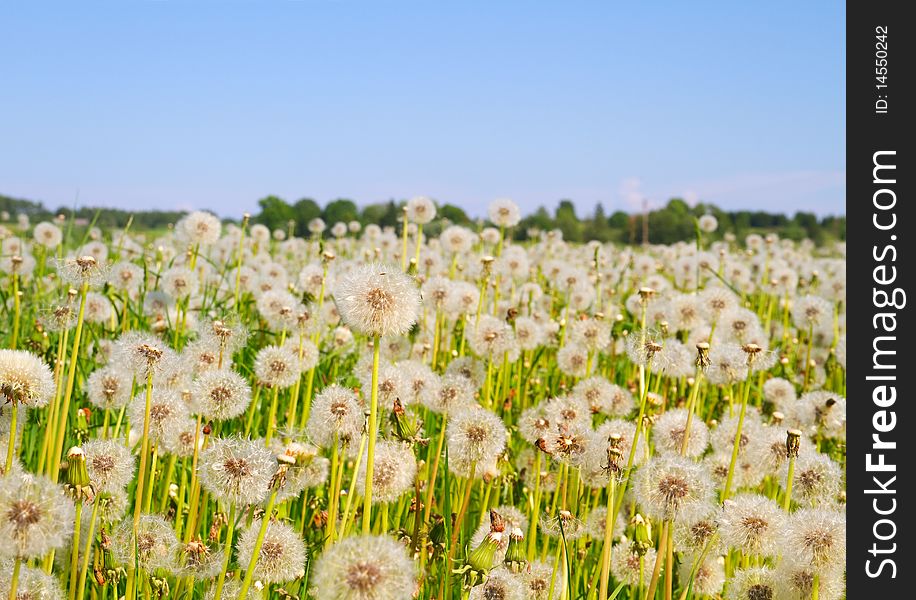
<point x="369" y="414"/>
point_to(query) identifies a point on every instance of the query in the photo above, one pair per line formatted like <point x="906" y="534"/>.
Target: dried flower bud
<point x="793" y="442"/>
<point x="703" y="355"/>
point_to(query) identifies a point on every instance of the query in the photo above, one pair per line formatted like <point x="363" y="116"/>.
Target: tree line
<point x="671" y="223"/>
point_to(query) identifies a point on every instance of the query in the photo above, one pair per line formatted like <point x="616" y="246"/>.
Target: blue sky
<point x="214" y="104"/>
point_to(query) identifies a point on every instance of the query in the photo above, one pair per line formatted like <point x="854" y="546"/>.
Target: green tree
<point x="597" y="227"/>
<point x="303" y="211"/>
<point x="454" y="214"/>
<point x="568" y="222"/>
<point x="275" y="212"/>
<point x="340" y="210"/>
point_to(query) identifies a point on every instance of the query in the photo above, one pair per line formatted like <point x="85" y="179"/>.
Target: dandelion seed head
<point x="377" y="300"/>
<point x="671" y="428"/>
<point x="475" y="435"/>
<point x="24" y="379"/>
<point x="156" y="543"/>
<point x="110" y="465"/>
<point x="199" y="228"/>
<point x="625" y="563"/>
<point x="421" y="209"/>
<point x="364" y="567"/>
<point x="276" y="366"/>
<point x="236" y="470"/>
<point x="36" y="516"/>
<point x="470" y="368"/>
<point x="752" y="524"/>
<point x="167" y="412"/>
<point x="500" y="585"/>
<point x="709" y="576"/>
<point x="48" y="235"/>
<point x="395" y="468"/>
<point x="671" y="487"/>
<point x="817" y="478"/>
<point x="33" y="583"/>
<point x="282" y="555"/>
<point x="754" y="583"/>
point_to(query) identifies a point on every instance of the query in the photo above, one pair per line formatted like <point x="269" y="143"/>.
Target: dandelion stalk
<point x="613" y="456"/>
<point x="265" y="521"/>
<point x="227" y="552"/>
<point x="659" y="557"/>
<point x="11" y="446"/>
<point x="68" y="391"/>
<point x="144" y="450"/>
<point x="87" y="549"/>
<point x="373" y="432"/>
<point x="14" y="578"/>
<point x="751" y="350"/>
<point x="793" y="441"/>
<point x="17" y="309"/>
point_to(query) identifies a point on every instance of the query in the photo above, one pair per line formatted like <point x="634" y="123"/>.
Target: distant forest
<point x="674" y="222"/>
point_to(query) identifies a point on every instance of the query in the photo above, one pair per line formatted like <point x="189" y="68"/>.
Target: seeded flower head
<point x="752" y="524"/>
<point x="671" y="487"/>
<point x="364" y="567"/>
<point x="48" y="235"/>
<point x="276" y="366"/>
<point x="671" y="428"/>
<point x="625" y="431"/>
<point x="141" y="353"/>
<point x="109" y="463"/>
<point x="504" y="212"/>
<point x="709" y="576"/>
<point x="755" y="583"/>
<point x="33" y="583"/>
<point x="157" y="545"/>
<point x="626" y="566"/>
<point x="455" y="392"/>
<point x="24" y="379"/>
<point x="36" y="516"/>
<point x="335" y="411"/>
<point x="470" y="368"/>
<point x="221" y="394"/>
<point x="282" y="554"/>
<point x="377" y="300"/>
<point x="795" y="580"/>
<point x="199" y="227"/>
<point x="309" y="470"/>
<point x="236" y="470"/>
<point x="491" y="338"/>
<point x="817" y="478"/>
<point x="475" y="435"/>
<point x="500" y="584"/>
<point x="816" y="536"/>
<point x="167" y="413"/>
<point x="395" y="468"/>
<point x="536" y="581"/>
<point x="421" y="210"/>
<point x="179" y="282"/>
<point x="85" y="268"/>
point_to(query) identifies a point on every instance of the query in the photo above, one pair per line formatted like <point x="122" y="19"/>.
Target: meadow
<point x="371" y="413"/>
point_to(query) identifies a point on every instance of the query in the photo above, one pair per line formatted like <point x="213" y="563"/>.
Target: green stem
<point x="11" y="446"/>
<point x="608" y="538"/>
<point x="87" y="550"/>
<point x="787" y="501"/>
<point x="227" y="553"/>
<point x="75" y="550"/>
<point x="68" y="392"/>
<point x="259" y="541"/>
<point x="737" y="445"/>
<point x="373" y="432"/>
<point x="14" y="580"/>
